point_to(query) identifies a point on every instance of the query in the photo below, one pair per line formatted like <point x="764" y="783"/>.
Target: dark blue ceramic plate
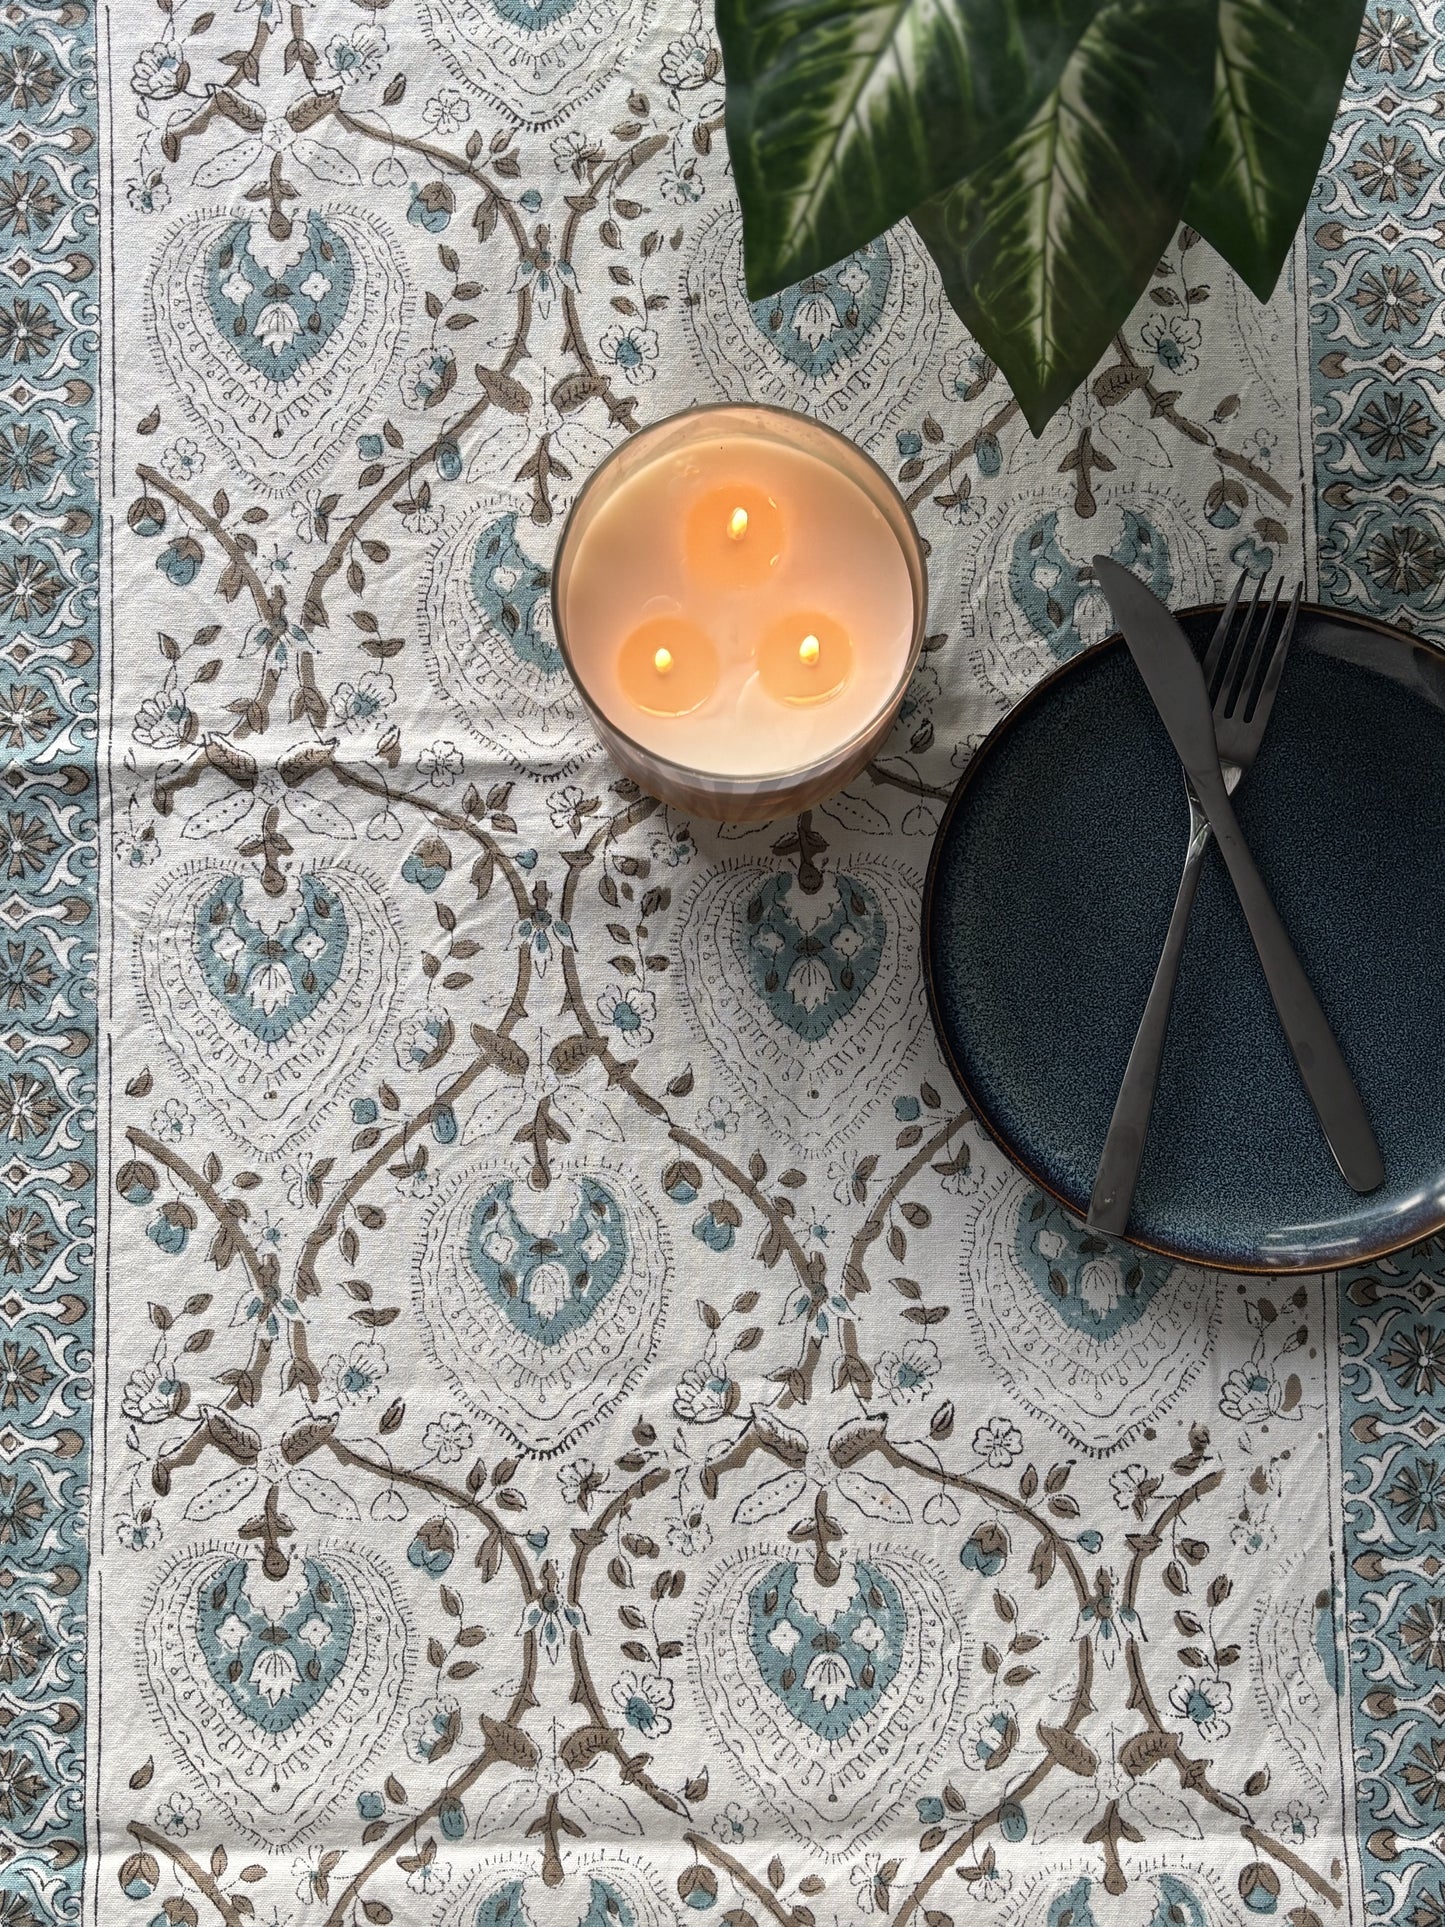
<point x="1047" y="899"/>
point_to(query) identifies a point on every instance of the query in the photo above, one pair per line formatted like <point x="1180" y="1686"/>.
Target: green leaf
<point x="843" y="114"/>
<point x="1046" y="247"/>
<point x="1279" y="72"/>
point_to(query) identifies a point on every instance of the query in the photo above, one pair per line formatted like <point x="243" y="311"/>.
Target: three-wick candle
<point x="740" y="596"/>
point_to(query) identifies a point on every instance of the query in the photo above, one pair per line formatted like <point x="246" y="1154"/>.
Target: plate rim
<point x="979" y="1111"/>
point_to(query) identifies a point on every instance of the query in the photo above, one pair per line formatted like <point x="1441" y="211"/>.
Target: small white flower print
<point x="580" y="1480"/>
<point x="907" y="1374"/>
<point x="645" y="1702"/>
<point x="1251" y="1394"/>
<point x="152" y="1391"/>
<point x="356" y="55"/>
<point x="427" y="1723"/>
<point x="164" y="720"/>
<point x="573" y="150"/>
<point x="719" y="1119"/>
<point x="148" y="196"/>
<point x="1296" y="1822"/>
<point x="689" y="1537"/>
<point x="183" y="461"/>
<point x="703" y="1395"/>
<point x="688" y="62"/>
<point x="871" y="1898"/>
<point x="998" y="1444"/>
<point x="632" y="350"/>
<point x="277" y="326"/>
<point x="355" y="1378"/>
<point x="441" y="764"/>
<point x="1133" y="1486"/>
<point x="160" y="71"/>
<point x="447" y="111"/>
<point x="177" y="1816"/>
<point x="567" y="807"/>
<point x="733" y="1825"/>
<point x="357" y="705"/>
<point x="448" y="1438"/>
<point x="1205" y="1702"/>
<point x="306" y="515"/>
<point x="310" y="1877"/>
<point x="629" y="1011"/>
<point x="173" y="1122"/>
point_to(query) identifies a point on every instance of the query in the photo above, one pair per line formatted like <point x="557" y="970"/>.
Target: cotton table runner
<point x="523" y="1396"/>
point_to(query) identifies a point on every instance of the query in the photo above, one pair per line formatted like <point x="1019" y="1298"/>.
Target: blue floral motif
<point x="530" y="19"/>
<point x="278" y="324"/>
<point x="548" y="1287"/>
<point x="829" y="1677"/>
<point x="273" y="1670"/>
<point x="512" y="592"/>
<point x="811" y="974"/>
<point x="1096" y="1289"/>
<point x="1047" y="585"/>
<point x="608" y="1908"/>
<point x="270" y="981"/>
<point x="820" y="322"/>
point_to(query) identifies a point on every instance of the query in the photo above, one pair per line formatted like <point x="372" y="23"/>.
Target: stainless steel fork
<point x="1242" y="668"/>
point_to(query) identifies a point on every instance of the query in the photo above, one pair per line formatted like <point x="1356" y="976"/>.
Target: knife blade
<point x="1175" y="681"/>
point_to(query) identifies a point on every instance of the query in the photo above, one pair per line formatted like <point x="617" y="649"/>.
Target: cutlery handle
<point x="1325" y="1073"/>
<point x="1124" y="1146"/>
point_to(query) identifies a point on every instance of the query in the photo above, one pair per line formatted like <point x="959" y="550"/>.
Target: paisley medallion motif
<point x="1093" y="1338"/>
<point x="849" y="345"/>
<point x="597" y="1889"/>
<point x="277" y="1693"/>
<point x="541" y="1309"/>
<point x="1072" y="1893"/>
<point x="274" y="1667"/>
<point x="486" y="624"/>
<point x="269" y="1004"/>
<point x="831" y="1701"/>
<point x="535" y="64"/>
<point x="1297" y="1669"/>
<point x="275" y="348"/>
<point x="1043" y="606"/>
<point x="810" y="1002"/>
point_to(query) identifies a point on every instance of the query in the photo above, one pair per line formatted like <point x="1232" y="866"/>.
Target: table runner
<point x="523" y="1397"/>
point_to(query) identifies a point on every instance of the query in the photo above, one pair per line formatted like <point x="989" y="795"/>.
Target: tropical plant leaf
<point x="1279" y="72"/>
<point x="843" y="114"/>
<point x="1046" y="247"/>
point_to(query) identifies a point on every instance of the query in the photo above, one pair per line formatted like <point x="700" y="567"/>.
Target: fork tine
<point x="1237" y="653"/>
<point x="1221" y="629"/>
<point x="1269" y="687"/>
<point x="1242" y="689"/>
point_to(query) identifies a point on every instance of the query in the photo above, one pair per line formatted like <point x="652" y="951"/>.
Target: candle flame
<point x="737" y="525"/>
<point x="808" y="649"/>
<point x="662" y="661"/>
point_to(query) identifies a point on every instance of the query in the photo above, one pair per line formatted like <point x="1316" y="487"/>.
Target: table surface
<point x="522" y="1395"/>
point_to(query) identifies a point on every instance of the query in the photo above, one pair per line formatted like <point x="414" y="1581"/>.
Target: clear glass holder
<point x="715" y="794"/>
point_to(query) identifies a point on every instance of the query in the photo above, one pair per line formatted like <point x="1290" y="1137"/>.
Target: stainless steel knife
<point x="1175" y="681"/>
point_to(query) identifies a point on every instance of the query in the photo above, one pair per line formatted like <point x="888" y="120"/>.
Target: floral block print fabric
<point x="524" y="1399"/>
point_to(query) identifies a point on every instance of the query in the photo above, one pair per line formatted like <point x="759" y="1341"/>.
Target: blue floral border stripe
<point x="1373" y="236"/>
<point x="1373" y="239"/>
<point x="1392" y="1347"/>
<point x="49" y="543"/>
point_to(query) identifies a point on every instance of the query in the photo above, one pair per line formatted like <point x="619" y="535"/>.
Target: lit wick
<point x="808" y="650"/>
<point x="662" y="661"/>
<point x="737" y="525"/>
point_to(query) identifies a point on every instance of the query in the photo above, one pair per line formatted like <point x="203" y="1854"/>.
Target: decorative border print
<point x="49" y="545"/>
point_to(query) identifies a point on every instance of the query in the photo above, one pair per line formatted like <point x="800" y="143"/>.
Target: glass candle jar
<point x="740" y="594"/>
